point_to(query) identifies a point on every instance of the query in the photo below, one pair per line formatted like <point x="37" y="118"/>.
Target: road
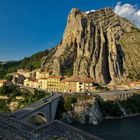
<point x="119" y="91"/>
<point x="34" y="106"/>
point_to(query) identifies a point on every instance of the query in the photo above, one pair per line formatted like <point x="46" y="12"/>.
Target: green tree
<point x="68" y="103"/>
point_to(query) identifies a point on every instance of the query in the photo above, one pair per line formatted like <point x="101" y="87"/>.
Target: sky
<point x="29" y="26"/>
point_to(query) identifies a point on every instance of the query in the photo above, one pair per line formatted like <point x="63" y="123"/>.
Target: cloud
<point x="87" y="12"/>
<point x="129" y="11"/>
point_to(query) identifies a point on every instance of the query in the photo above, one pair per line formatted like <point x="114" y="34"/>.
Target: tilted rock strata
<point x="95" y="46"/>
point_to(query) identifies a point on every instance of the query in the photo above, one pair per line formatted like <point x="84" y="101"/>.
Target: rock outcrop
<point x="88" y="112"/>
<point x="100" y="45"/>
<point x="95" y="114"/>
<point x="84" y="111"/>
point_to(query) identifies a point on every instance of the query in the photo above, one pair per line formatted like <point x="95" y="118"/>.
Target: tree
<point x="8" y="78"/>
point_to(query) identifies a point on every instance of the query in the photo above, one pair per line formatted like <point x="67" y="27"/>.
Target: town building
<point x="134" y="85"/>
<point x="40" y="74"/>
<point x="25" y="73"/>
<point x="5" y="83"/>
<point x="124" y="86"/>
<point x="76" y="84"/>
<point x="42" y="83"/>
<point x="59" y="83"/>
<point x="53" y="83"/>
<point x="31" y="83"/>
<point x="2" y="82"/>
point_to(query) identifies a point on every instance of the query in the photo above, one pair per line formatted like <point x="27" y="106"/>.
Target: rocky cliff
<point x="100" y="45"/>
<point x="84" y="111"/>
<point x="95" y="108"/>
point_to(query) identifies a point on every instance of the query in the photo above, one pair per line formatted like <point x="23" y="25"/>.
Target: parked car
<point x="44" y="100"/>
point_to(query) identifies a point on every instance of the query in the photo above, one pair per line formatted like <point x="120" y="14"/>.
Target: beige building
<point x="70" y="86"/>
<point x="88" y="84"/>
<point x="54" y="83"/>
<point x="63" y="86"/>
<point x="134" y="85"/>
<point x="58" y="83"/>
<point x="42" y="83"/>
<point x="25" y="73"/>
<point x="2" y="83"/>
<point x="31" y="83"/>
<point x="40" y="75"/>
<point x="124" y="86"/>
<point x="78" y="84"/>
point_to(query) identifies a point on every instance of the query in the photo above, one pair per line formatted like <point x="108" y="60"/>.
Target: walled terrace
<point x="14" y="129"/>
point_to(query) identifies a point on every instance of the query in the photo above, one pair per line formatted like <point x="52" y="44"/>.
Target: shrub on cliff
<point x="68" y="102"/>
<point x="109" y="107"/>
<point x="132" y="104"/>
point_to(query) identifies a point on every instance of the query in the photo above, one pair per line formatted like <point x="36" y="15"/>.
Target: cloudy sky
<point x="29" y="26"/>
<point x="129" y="11"/>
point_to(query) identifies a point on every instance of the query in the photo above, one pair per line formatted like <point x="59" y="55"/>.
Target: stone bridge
<point x="45" y="108"/>
<point x="14" y="129"/>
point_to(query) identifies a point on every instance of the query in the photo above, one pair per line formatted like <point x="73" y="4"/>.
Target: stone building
<point x="2" y="82"/>
<point x="76" y="84"/>
<point x="42" y="83"/>
<point x="31" y="83"/>
<point x="61" y="84"/>
<point x="54" y="83"/>
<point x="25" y="73"/>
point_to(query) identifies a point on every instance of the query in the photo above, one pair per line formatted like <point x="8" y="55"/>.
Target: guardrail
<point x="38" y="108"/>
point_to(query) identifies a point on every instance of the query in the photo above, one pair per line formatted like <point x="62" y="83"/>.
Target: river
<point x="120" y="129"/>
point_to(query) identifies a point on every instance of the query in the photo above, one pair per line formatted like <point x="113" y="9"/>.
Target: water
<point x="121" y="129"/>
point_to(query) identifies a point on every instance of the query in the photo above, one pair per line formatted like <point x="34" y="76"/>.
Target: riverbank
<point x="93" y="110"/>
<point x="122" y="117"/>
<point x="114" y="129"/>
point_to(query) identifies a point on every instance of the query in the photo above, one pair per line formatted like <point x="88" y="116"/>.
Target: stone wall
<point x="13" y="129"/>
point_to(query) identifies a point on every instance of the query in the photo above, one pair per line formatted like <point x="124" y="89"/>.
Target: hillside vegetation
<point x="27" y="97"/>
<point x="30" y="63"/>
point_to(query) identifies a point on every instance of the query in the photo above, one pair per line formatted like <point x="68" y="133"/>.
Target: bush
<point x="13" y="91"/>
<point x="68" y="103"/>
<point x="8" y="77"/>
<point x="132" y="104"/>
<point x="111" y="108"/>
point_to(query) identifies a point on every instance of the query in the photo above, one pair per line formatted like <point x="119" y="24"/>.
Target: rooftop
<point x="57" y="77"/>
<point x="2" y="81"/>
<point x="77" y="79"/>
<point x="42" y="78"/>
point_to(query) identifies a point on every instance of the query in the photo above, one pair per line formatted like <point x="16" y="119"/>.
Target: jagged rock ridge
<point x="95" y="45"/>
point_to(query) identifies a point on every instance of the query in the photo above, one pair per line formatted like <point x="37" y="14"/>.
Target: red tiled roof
<point x="136" y="82"/>
<point x="33" y="81"/>
<point x="58" y="77"/>
<point x="2" y="81"/>
<point x="43" y="78"/>
<point x="77" y="79"/>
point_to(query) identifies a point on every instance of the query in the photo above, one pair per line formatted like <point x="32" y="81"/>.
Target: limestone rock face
<point x="95" y="46"/>
<point x="95" y="114"/>
<point x="88" y="112"/>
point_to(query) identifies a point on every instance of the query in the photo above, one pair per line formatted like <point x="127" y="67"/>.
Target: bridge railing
<point x="38" y="108"/>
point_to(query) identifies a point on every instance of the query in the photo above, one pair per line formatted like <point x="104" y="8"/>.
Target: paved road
<point x="119" y="91"/>
<point x="34" y="106"/>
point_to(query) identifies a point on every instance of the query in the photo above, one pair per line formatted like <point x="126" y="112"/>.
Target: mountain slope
<point x="30" y="63"/>
<point x="131" y="46"/>
<point x="100" y="45"/>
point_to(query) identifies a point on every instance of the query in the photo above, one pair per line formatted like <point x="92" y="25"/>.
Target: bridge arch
<point x="39" y="118"/>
